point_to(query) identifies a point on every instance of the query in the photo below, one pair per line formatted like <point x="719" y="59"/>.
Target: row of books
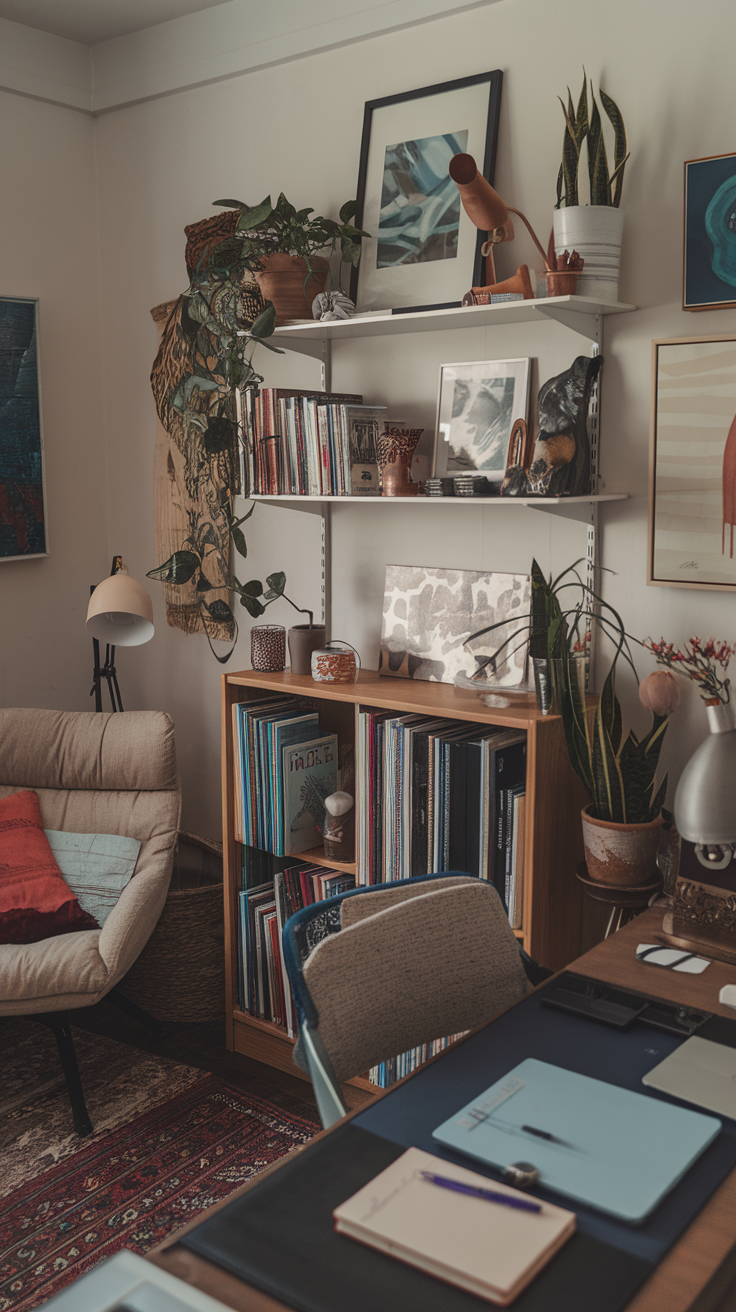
<point x="388" y="1072"/>
<point x="284" y="769"/>
<point x="266" y="901"/>
<point x="309" y="443"/>
<point x="438" y="794"/>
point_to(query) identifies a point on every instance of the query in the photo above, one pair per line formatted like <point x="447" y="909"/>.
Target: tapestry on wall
<point x="196" y="465"/>
<point x="429" y="614"/>
<point x="22" y="511"/>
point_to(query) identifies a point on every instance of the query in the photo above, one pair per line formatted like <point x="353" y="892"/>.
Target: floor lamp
<point x="120" y="613"/>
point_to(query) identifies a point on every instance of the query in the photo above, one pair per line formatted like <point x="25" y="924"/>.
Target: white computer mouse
<point x="727" y="995"/>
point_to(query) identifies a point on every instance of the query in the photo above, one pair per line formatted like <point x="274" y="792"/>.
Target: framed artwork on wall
<point x="709" y="255"/>
<point x="692" y="471"/>
<point x="423" y="252"/>
<point x="477" y="406"/>
<point x="22" y="490"/>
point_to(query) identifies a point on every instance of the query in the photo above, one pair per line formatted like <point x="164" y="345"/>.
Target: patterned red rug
<point x="130" y="1186"/>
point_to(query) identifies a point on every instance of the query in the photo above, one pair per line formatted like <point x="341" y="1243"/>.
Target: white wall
<point x="49" y="250"/>
<point x="296" y="127"/>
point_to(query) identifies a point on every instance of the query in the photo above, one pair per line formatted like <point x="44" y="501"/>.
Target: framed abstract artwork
<point x="692" y="471"/>
<point x="22" y="494"/>
<point x="709" y="255"/>
<point x="423" y="252"/>
<point x="428" y="614"/>
<point x="477" y="405"/>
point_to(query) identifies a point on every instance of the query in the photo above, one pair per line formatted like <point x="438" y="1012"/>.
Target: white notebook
<point x="699" y="1071"/>
<point x="487" y="1248"/>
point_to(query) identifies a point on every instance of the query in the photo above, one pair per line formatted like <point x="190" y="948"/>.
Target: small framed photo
<point x="709" y="272"/>
<point x="692" y="472"/>
<point x="423" y="252"/>
<point x="477" y="407"/>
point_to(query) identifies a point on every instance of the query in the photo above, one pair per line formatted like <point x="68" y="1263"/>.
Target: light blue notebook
<point x="612" y="1149"/>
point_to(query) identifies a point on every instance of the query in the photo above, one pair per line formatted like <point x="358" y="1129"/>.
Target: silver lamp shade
<point x="705" y="801"/>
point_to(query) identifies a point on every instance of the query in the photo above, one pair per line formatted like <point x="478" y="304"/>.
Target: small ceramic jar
<point x="337" y="662"/>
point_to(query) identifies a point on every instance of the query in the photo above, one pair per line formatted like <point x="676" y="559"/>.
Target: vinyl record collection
<point x="438" y="794"/>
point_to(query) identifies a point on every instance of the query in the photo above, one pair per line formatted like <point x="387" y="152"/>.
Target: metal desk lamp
<point x="120" y="612"/>
<point x="705" y="802"/>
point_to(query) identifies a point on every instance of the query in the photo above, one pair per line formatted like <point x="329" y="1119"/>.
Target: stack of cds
<point x="439" y="487"/>
<point x="473" y="485"/>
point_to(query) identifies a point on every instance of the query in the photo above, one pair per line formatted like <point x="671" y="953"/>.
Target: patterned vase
<point x="396" y="447"/>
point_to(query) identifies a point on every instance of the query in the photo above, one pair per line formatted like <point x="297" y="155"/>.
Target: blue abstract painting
<point x="420" y="204"/>
<point x="22" y="521"/>
<point x="710" y="232"/>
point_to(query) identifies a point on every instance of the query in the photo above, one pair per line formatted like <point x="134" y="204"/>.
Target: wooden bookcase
<point x="552" y="907"/>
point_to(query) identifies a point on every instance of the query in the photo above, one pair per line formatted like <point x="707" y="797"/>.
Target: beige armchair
<point x="93" y="773"/>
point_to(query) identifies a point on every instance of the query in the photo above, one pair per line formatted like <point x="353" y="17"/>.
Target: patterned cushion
<point x="35" y="900"/>
<point x="95" y="866"/>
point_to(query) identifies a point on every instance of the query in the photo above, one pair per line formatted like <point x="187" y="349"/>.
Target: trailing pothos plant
<point x="619" y="773"/>
<point x="216" y="337"/>
<point x="580" y="126"/>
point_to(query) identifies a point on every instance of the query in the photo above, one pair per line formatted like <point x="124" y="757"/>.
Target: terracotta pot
<point x="282" y="281"/>
<point x="562" y="284"/>
<point x="396" y="447"/>
<point x="625" y="855"/>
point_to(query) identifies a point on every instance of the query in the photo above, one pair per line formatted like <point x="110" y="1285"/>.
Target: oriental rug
<point x="169" y="1141"/>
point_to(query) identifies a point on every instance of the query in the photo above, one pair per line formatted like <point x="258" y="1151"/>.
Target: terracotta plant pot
<point x="282" y="281"/>
<point x="625" y="855"/>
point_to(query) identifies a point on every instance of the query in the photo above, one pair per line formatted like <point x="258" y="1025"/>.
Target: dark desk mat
<point x="280" y="1237"/>
<point x="408" y="1115"/>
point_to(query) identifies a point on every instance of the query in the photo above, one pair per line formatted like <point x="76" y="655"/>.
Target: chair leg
<point x="58" y="1021"/>
<point x="135" y="1012"/>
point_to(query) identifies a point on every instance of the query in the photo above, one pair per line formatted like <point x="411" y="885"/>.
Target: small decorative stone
<point x="332" y="305"/>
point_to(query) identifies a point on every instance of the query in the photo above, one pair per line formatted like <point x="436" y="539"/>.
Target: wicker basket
<point x="180" y="974"/>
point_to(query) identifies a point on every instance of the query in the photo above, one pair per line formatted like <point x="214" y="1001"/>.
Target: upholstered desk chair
<point x="379" y="970"/>
<point x="94" y="774"/>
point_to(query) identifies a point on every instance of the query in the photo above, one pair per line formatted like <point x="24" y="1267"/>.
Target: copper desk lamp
<point x="488" y="212"/>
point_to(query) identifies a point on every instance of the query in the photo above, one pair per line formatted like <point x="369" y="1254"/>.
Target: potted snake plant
<point x="594" y="230"/>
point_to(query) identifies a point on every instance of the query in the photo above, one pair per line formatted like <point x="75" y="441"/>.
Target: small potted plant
<point x="593" y="230"/>
<point x="290" y="251"/>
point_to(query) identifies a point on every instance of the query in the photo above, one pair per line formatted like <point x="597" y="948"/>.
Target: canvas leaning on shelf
<point x="429" y="613"/>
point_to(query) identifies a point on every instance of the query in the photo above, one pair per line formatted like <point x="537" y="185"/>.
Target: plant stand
<point x="625" y="903"/>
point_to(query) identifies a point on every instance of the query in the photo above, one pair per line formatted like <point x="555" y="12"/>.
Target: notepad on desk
<point x="490" y="1249"/>
<point x="592" y="1142"/>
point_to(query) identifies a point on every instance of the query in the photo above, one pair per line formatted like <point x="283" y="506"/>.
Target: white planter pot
<point x="594" y="231"/>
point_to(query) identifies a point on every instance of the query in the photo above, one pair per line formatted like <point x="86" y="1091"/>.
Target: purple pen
<point x="489" y="1195"/>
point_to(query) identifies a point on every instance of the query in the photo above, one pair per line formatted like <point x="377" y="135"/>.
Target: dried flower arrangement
<point x="698" y="662"/>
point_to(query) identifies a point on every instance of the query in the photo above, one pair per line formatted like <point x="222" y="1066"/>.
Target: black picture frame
<point x="470" y="274"/>
<point x="709" y="201"/>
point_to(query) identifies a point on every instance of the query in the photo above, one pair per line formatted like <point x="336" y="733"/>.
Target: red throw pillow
<point x="35" y="900"/>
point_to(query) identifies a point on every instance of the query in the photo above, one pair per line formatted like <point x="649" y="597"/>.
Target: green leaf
<point x="576" y="726"/>
<point x="231" y="204"/>
<point x="219" y="610"/>
<point x="255" y="217"/>
<point x="597" y="160"/>
<point x="348" y="210"/>
<point x="239" y="540"/>
<point x="178" y="569"/>
<point x="610" y="709"/>
<point x="581" y="116"/>
<point x="264" y="325"/>
<point x="203" y="584"/>
<point x="252" y="605"/>
<point x="620" y="154"/>
<point x="607" y="781"/>
<point x="277" y="582"/>
<point x="253" y="589"/>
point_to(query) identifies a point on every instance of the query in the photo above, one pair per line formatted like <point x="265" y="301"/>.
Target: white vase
<point x="594" y="231"/>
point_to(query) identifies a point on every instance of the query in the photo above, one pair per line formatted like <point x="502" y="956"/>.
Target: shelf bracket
<point x="319" y="350"/>
<point x="586" y="325"/>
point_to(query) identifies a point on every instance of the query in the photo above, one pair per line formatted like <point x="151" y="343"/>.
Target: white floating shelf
<point x="577" y="312"/>
<point x="539" y="503"/>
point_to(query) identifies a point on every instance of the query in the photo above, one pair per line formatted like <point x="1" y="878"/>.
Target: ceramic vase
<point x="286" y="281"/>
<point x="618" y="854"/>
<point x="595" y="232"/>
<point x="396" y="446"/>
<point x="303" y="639"/>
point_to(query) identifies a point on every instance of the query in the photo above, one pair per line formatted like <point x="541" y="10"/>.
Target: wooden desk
<point x="695" y="1276"/>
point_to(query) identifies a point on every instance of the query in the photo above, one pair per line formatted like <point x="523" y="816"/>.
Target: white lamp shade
<point x="120" y="612"/>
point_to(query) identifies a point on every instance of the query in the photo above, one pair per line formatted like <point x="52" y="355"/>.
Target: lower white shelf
<point x="538" y="502"/>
